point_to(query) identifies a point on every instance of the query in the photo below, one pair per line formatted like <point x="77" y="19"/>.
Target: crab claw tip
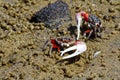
<point x="61" y="53"/>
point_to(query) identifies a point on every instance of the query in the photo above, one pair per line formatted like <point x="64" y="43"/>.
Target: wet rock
<point x="54" y="15"/>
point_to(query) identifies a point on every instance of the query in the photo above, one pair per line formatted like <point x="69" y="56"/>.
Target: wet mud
<point x="21" y="42"/>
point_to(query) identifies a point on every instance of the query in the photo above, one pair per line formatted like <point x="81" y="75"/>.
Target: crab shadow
<point x="72" y="30"/>
<point x="69" y="60"/>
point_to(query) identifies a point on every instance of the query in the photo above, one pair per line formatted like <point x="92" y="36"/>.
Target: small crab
<point x="57" y="44"/>
<point x="94" y="23"/>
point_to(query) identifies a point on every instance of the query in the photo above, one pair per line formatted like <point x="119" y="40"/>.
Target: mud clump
<point x="117" y="26"/>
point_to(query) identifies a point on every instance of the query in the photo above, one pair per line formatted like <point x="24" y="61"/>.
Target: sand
<point x="21" y="42"/>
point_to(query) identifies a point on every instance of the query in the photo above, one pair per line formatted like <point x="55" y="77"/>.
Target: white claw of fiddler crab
<point x="79" y="22"/>
<point x="80" y="47"/>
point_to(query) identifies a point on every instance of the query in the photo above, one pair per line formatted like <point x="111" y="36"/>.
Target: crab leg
<point x="50" y="49"/>
<point x="45" y="45"/>
<point x="99" y="30"/>
<point x="95" y="29"/>
<point x="90" y="34"/>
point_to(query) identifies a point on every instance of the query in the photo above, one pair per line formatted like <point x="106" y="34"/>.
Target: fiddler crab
<point x="94" y="24"/>
<point x="70" y="43"/>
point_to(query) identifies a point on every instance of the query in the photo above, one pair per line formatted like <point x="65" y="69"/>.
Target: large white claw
<point x="80" y="48"/>
<point x="79" y="22"/>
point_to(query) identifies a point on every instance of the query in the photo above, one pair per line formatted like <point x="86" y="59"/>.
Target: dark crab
<point x="94" y="26"/>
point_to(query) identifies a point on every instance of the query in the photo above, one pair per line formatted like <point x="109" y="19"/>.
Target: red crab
<point x="57" y="44"/>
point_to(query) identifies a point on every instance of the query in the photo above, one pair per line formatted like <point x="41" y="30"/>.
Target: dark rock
<point x="54" y="15"/>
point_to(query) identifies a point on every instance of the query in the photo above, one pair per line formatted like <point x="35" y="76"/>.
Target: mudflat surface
<point x="21" y="42"/>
